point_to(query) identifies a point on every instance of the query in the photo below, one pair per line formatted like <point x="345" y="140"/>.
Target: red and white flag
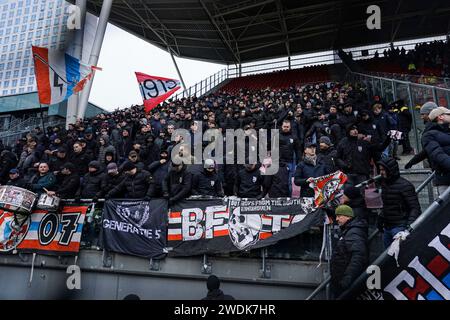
<point x="155" y="90"/>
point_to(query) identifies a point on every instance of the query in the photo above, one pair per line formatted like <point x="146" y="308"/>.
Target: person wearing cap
<point x="135" y="184"/>
<point x="214" y="292"/>
<point x="70" y="182"/>
<point x="350" y="255"/>
<point x="15" y="179"/>
<point x="436" y="143"/>
<point x="425" y="111"/>
<point x="347" y="117"/>
<point x="309" y="167"/>
<point x="327" y="153"/>
<point x="159" y="170"/>
<point x="133" y="157"/>
<point x="177" y="184"/>
<point x="207" y="182"/>
<point x="58" y="159"/>
<point x="111" y="179"/>
<point x="91" y="186"/>
<point x="400" y="202"/>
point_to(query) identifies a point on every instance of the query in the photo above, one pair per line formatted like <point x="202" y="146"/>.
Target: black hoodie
<point x="400" y="203"/>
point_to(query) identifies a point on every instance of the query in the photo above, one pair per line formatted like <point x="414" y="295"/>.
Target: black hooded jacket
<point x="217" y="294"/>
<point x="350" y="254"/>
<point x="400" y="203"/>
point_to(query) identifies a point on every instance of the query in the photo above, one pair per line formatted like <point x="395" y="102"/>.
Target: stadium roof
<point x="233" y="31"/>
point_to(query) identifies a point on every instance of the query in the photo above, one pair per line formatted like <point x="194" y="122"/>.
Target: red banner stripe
<point x="41" y="70"/>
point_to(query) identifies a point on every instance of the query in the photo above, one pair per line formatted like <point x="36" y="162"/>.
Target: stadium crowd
<point x="126" y="153"/>
<point x="322" y="128"/>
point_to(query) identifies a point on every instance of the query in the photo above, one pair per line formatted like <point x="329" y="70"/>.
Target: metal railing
<point x="204" y="86"/>
<point x="425" y="183"/>
<point x="413" y="94"/>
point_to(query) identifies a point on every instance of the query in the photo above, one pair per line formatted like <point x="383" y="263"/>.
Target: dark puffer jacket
<point x="178" y="184"/>
<point x="350" y="254"/>
<point x="277" y="185"/>
<point x="69" y="186"/>
<point x="91" y="185"/>
<point x="400" y="203"/>
<point x="436" y="143"/>
<point x="134" y="186"/>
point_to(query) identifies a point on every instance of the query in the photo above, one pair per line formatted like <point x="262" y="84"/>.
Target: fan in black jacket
<point x="70" y="182"/>
<point x="400" y="203"/>
<point x="350" y="254"/>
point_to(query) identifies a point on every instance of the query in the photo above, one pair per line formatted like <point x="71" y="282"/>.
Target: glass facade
<point x="24" y="23"/>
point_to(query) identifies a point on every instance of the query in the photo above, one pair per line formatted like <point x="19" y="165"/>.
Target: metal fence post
<point x="435" y="96"/>
<point x="411" y="109"/>
<point x="381" y="88"/>
<point x="394" y="90"/>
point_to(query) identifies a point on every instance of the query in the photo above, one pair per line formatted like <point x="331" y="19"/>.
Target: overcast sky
<point x="122" y="54"/>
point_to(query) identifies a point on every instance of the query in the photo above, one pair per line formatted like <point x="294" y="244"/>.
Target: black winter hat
<point x="213" y="283"/>
<point x="95" y="164"/>
<point x="128" y="166"/>
<point x="69" y="165"/>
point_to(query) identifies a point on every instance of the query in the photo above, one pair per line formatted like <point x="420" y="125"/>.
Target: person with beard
<point x="289" y="149"/>
<point x="158" y="170"/>
<point x="249" y="182"/>
<point x="70" y="182"/>
<point x="111" y="179"/>
<point x="91" y="185"/>
<point x="350" y="251"/>
<point x="436" y="143"/>
<point x="207" y="182"/>
<point x="400" y="203"/>
<point x="327" y="154"/>
<point x="177" y="184"/>
<point x="309" y="167"/>
<point x="79" y="158"/>
<point x="16" y="180"/>
<point x="425" y="111"/>
<point x="8" y="161"/>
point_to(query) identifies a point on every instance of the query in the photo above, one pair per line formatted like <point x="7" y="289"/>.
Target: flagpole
<point x="42" y="118"/>
<point x="176" y="67"/>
